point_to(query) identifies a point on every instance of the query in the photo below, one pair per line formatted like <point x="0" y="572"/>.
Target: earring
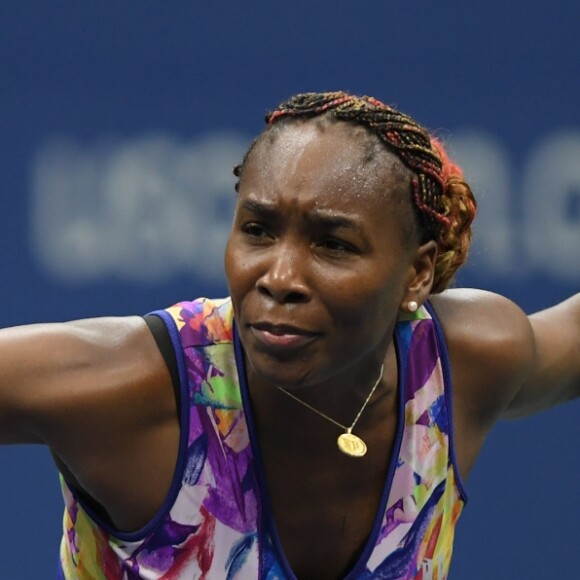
<point x="412" y="306"/>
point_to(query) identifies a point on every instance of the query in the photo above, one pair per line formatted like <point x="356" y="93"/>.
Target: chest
<point x="322" y="505"/>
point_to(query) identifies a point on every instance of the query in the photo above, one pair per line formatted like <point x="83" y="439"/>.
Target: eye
<point x="336" y="246"/>
<point x="255" y="230"/>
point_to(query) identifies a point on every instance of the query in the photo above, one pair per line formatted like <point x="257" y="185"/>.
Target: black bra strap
<point x="163" y="340"/>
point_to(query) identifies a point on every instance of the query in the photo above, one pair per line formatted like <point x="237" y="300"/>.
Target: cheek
<point x="234" y="266"/>
<point x="360" y="300"/>
<point x="242" y="269"/>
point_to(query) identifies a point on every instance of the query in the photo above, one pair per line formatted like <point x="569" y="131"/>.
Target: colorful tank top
<point x="216" y="523"/>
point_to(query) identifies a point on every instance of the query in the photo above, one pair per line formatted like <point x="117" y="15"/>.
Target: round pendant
<point x="351" y="445"/>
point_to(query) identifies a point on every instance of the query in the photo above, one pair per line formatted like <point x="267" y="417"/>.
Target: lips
<point x="282" y="336"/>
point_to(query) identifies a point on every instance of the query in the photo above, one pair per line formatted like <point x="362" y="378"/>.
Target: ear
<point x="420" y="278"/>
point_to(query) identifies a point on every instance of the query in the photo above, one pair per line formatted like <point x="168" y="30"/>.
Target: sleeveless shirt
<point x="216" y="522"/>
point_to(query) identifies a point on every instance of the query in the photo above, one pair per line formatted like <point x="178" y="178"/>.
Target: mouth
<point x="282" y="336"/>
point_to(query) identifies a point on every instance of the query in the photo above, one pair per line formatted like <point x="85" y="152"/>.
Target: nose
<point x="283" y="278"/>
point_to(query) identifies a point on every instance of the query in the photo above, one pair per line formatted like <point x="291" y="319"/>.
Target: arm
<point x="97" y="392"/>
<point x="507" y="364"/>
<point x="554" y="376"/>
<point x="504" y="363"/>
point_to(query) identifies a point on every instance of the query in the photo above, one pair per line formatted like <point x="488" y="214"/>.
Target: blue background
<point x="95" y="90"/>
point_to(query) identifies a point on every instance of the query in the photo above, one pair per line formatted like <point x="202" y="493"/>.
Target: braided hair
<point x="443" y="202"/>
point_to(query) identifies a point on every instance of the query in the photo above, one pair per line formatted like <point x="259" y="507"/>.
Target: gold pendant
<point x="351" y="445"/>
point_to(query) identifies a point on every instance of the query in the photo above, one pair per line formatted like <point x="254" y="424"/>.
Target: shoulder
<point x="112" y="418"/>
<point x="491" y="348"/>
<point x="54" y="376"/>
<point x="98" y="362"/>
<point x="43" y="353"/>
<point x="465" y="311"/>
<point x="111" y="342"/>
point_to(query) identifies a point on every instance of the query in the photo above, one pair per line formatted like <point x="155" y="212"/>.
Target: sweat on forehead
<point x="351" y="151"/>
<point x="361" y="136"/>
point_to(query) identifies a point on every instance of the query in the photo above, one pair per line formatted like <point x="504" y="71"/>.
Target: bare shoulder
<point x="121" y="417"/>
<point x="51" y="373"/>
<point x="491" y="348"/>
<point x="98" y="393"/>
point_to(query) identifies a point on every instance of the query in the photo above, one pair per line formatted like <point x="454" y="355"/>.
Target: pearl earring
<point x="412" y="306"/>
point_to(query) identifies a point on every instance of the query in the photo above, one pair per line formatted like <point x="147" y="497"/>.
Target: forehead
<point x="335" y="161"/>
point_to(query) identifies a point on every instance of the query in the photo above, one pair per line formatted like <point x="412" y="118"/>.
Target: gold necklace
<point x="347" y="442"/>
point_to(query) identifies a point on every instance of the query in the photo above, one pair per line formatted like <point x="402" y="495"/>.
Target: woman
<point x="305" y="427"/>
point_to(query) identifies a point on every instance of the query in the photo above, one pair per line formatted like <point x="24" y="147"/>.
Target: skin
<point x="320" y="262"/>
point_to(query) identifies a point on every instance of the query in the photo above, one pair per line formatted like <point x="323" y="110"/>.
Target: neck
<point x="339" y="397"/>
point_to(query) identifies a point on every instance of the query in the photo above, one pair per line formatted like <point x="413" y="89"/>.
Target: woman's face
<point x="321" y="254"/>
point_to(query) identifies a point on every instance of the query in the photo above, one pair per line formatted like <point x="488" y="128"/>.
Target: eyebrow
<point x="322" y="218"/>
<point x="331" y="220"/>
<point x="259" y="207"/>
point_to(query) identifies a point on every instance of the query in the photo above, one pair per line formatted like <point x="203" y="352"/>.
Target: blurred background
<point x="120" y="123"/>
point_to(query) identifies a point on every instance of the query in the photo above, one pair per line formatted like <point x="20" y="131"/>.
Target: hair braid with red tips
<point x="444" y="202"/>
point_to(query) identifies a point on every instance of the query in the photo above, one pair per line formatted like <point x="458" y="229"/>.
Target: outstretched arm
<point x="52" y="373"/>
<point x="554" y="376"/>
<point x="98" y="394"/>
<point x="505" y="364"/>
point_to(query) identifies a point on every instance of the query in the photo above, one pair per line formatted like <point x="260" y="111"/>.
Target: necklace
<point x="347" y="442"/>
